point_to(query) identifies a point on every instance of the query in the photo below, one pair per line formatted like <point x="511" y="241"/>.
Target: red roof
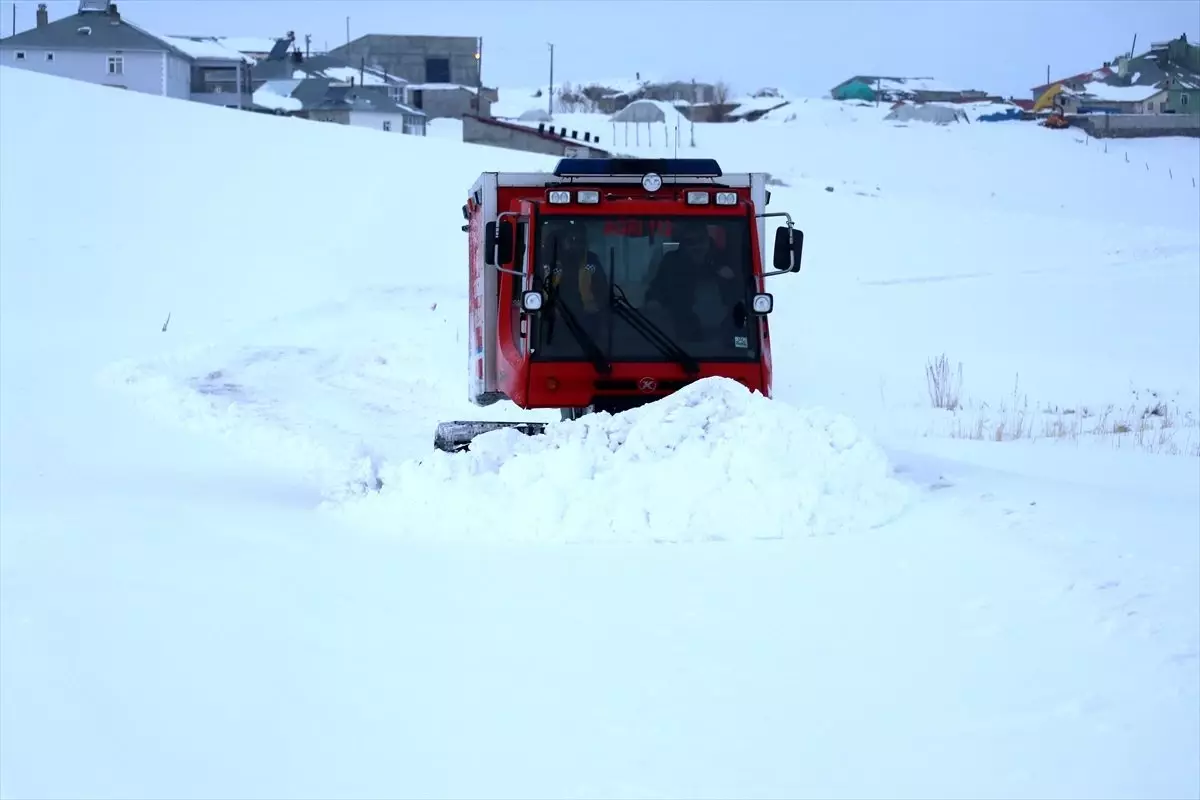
<point x="1083" y="77"/>
<point x="1025" y="104"/>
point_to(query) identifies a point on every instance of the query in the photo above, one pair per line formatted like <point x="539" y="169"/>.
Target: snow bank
<point x="713" y="462"/>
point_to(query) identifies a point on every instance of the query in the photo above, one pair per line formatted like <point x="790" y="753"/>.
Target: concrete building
<point x="98" y="45"/>
<point x="1163" y="80"/>
<point x="287" y="62"/>
<point x="443" y="72"/>
<point x="339" y="102"/>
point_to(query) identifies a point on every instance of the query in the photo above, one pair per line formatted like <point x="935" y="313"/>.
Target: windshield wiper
<point x="654" y="334"/>
<point x="590" y="348"/>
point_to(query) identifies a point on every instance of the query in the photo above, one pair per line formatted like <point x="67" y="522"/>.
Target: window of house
<point x="1162" y="106"/>
<point x="437" y="70"/>
<point x="49" y="56"/>
<point x="387" y="124"/>
<point x="116" y="65"/>
<point x="19" y="55"/>
<point x="1183" y="99"/>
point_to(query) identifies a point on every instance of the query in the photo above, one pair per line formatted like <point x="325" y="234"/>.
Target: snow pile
<point x="713" y="462"/>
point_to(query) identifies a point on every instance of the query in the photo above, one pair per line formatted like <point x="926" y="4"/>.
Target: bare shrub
<point x="944" y="384"/>
<point x="720" y="93"/>
<point x="569" y="100"/>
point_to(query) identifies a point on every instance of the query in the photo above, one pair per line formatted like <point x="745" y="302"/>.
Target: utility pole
<point x="478" y="103"/>
<point x="347" y="30"/>
<point x="550" y="100"/>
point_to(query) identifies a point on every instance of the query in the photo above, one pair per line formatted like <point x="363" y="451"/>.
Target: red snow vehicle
<point x="614" y="282"/>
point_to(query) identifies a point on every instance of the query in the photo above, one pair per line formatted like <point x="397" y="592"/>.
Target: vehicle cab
<point x="613" y="282"/>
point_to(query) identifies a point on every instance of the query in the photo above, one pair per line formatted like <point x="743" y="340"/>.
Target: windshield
<point x="688" y="277"/>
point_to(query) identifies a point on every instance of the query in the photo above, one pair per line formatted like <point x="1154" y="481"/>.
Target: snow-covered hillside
<point x="217" y="327"/>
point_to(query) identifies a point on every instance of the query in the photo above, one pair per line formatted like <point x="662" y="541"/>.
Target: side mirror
<point x="507" y="240"/>
<point x="789" y="246"/>
<point x="532" y="301"/>
<point x="489" y="244"/>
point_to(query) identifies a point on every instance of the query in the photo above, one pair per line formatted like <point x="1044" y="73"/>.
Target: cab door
<point x="523" y="322"/>
<point x="512" y="323"/>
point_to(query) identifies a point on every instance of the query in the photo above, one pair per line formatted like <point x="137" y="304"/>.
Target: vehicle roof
<point x="733" y="180"/>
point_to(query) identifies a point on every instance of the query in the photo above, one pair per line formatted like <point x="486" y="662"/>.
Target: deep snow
<point x="197" y="599"/>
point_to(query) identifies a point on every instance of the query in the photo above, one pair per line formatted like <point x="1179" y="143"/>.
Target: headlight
<point x="560" y="197"/>
<point x="588" y="197"/>
<point x="727" y="198"/>
<point x="531" y="301"/>
<point x="697" y="198"/>
<point x="763" y="303"/>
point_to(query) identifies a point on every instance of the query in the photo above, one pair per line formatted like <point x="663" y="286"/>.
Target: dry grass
<point x="1148" y="423"/>
<point x="943" y="383"/>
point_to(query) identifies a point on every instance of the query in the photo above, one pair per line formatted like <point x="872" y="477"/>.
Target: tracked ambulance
<point x="611" y="283"/>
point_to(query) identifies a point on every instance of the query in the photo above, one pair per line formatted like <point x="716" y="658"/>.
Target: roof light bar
<point x="667" y="167"/>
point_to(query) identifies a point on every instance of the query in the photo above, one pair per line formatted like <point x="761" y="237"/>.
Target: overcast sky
<point x="801" y="46"/>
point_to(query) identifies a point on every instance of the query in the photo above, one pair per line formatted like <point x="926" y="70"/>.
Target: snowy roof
<point x="649" y="111"/>
<point x="619" y="85"/>
<point x="362" y="77"/>
<point x="277" y="96"/>
<point x="1119" y="94"/>
<point x="750" y="105"/>
<point x="204" y="48"/>
<point x="1095" y="74"/>
<point x="441" y="87"/>
<point x="248" y="44"/>
<point x="915" y="85"/>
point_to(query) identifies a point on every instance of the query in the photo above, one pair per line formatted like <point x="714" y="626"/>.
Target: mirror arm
<point x="766" y="214"/>
<point x="497" y="267"/>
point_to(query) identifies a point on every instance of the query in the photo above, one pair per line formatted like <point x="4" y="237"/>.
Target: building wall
<point x="1152" y="105"/>
<point x="1072" y="104"/>
<point x="454" y="103"/>
<point x="375" y="120"/>
<point x="1127" y="126"/>
<point x="142" y="71"/>
<point x="408" y="56"/>
<point x="1183" y="101"/>
<point x="338" y="117"/>
<point x="517" y="137"/>
<point x="222" y="92"/>
<point x="179" y="76"/>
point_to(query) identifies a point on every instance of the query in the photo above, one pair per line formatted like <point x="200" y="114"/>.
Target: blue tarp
<point x="1000" y="116"/>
